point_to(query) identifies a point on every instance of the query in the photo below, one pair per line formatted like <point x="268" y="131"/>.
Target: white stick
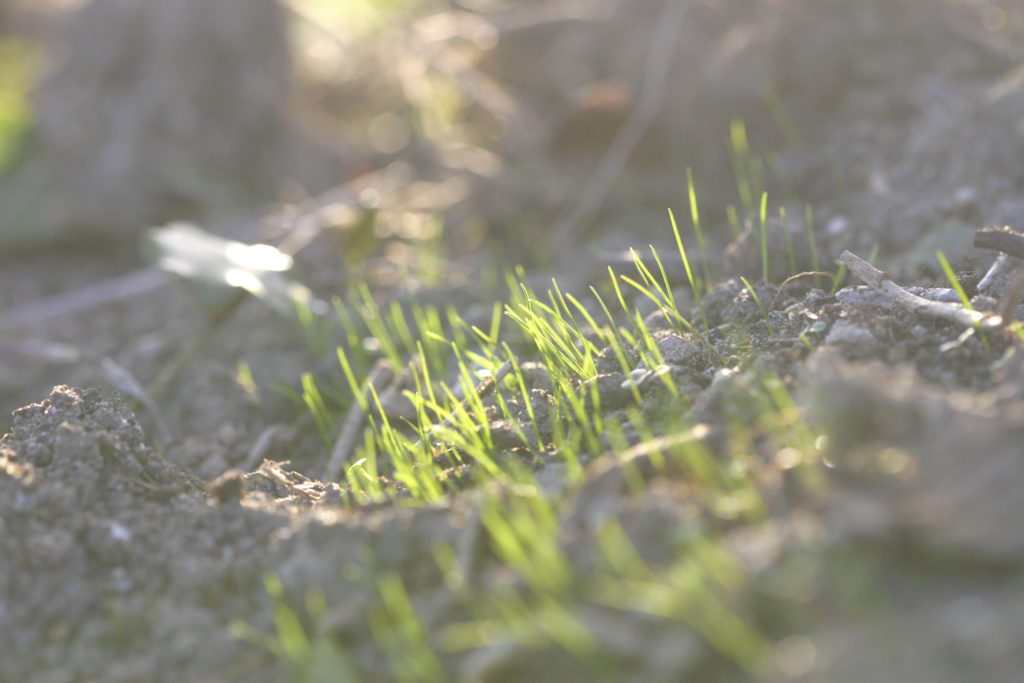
<point x="881" y="281"/>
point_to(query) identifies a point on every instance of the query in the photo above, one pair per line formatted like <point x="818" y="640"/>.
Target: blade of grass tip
<point x="568" y="312"/>
<point x="644" y="290"/>
<point x="650" y="282"/>
<point x="618" y="291"/>
<point x="542" y="330"/>
<point x="789" y="241"/>
<point x="524" y="390"/>
<point x="428" y="386"/>
<point x="670" y="298"/>
<point x="740" y="154"/>
<point x="290" y="632"/>
<point x="357" y="390"/>
<point x="809" y="219"/>
<point x="347" y="323"/>
<point x="460" y="330"/>
<point x="585" y="348"/>
<point x="964" y="299"/>
<point x="496" y="318"/>
<point x="472" y="400"/>
<point x="622" y="300"/>
<point x="401" y="327"/>
<point x="374" y="320"/>
<point x="757" y="174"/>
<point x="953" y="281"/>
<point x="734" y="221"/>
<point x="390" y="443"/>
<point x="689" y="272"/>
<point x="873" y="254"/>
<point x="613" y="337"/>
<point x="764" y="237"/>
<point x="838" y="279"/>
<point x="314" y="400"/>
<point x="655" y="359"/>
<point x="695" y="217"/>
<point x="607" y="336"/>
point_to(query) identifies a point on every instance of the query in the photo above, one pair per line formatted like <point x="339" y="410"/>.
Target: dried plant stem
<point x="881" y="281"/>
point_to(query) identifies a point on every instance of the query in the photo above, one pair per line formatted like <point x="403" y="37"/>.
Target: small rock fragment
<point x="846" y="333"/>
<point x="677" y="351"/>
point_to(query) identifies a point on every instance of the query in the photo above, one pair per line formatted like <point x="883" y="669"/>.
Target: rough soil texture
<point x="131" y="539"/>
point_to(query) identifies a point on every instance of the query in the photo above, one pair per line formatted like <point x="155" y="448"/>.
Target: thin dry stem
<point x="881" y="281"/>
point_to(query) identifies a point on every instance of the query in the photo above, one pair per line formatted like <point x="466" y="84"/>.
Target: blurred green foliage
<point x="17" y="71"/>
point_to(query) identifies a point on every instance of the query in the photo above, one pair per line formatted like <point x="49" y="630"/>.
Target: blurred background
<point x="497" y="118"/>
<point x="425" y="146"/>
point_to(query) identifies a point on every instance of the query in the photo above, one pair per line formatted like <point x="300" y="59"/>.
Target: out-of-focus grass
<point x="18" y="60"/>
<point x="352" y="16"/>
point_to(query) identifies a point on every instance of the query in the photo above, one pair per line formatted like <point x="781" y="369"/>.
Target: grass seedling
<point x="318" y="329"/>
<point x="245" y="380"/>
<point x="953" y="281"/>
<point x="314" y="400"/>
<point x="399" y="631"/>
<point x="313" y="660"/>
<point x="741" y="162"/>
<point x="809" y="219"/>
<point x="371" y="315"/>
<point x="734" y="221"/>
<point x="348" y="326"/>
<point x="959" y="289"/>
<point x="694" y="286"/>
<point x="696" y="590"/>
<point x="695" y="217"/>
<point x="764" y="236"/>
<point x="789" y="241"/>
<point x="841" y="273"/>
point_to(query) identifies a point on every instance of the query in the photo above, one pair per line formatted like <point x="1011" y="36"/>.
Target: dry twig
<point x="793" y="278"/>
<point x="881" y="281"/>
<point x="1004" y="240"/>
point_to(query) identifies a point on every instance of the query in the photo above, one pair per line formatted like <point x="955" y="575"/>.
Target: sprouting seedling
<point x="694" y="287"/>
<point x="764" y="237"/>
<point x="290" y="641"/>
<point x="741" y="161"/>
<point x="314" y="400"/>
<point x="838" y="279"/>
<point x="841" y="273"/>
<point x="400" y="632"/>
<point x="809" y="218"/>
<point x="695" y="217"/>
<point x="757" y="300"/>
<point x="789" y="241"/>
<point x="734" y="220"/>
<point x="953" y="281"/>
<point x="959" y="289"/>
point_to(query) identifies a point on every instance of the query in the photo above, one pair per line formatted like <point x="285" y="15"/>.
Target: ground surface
<point x="129" y="547"/>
